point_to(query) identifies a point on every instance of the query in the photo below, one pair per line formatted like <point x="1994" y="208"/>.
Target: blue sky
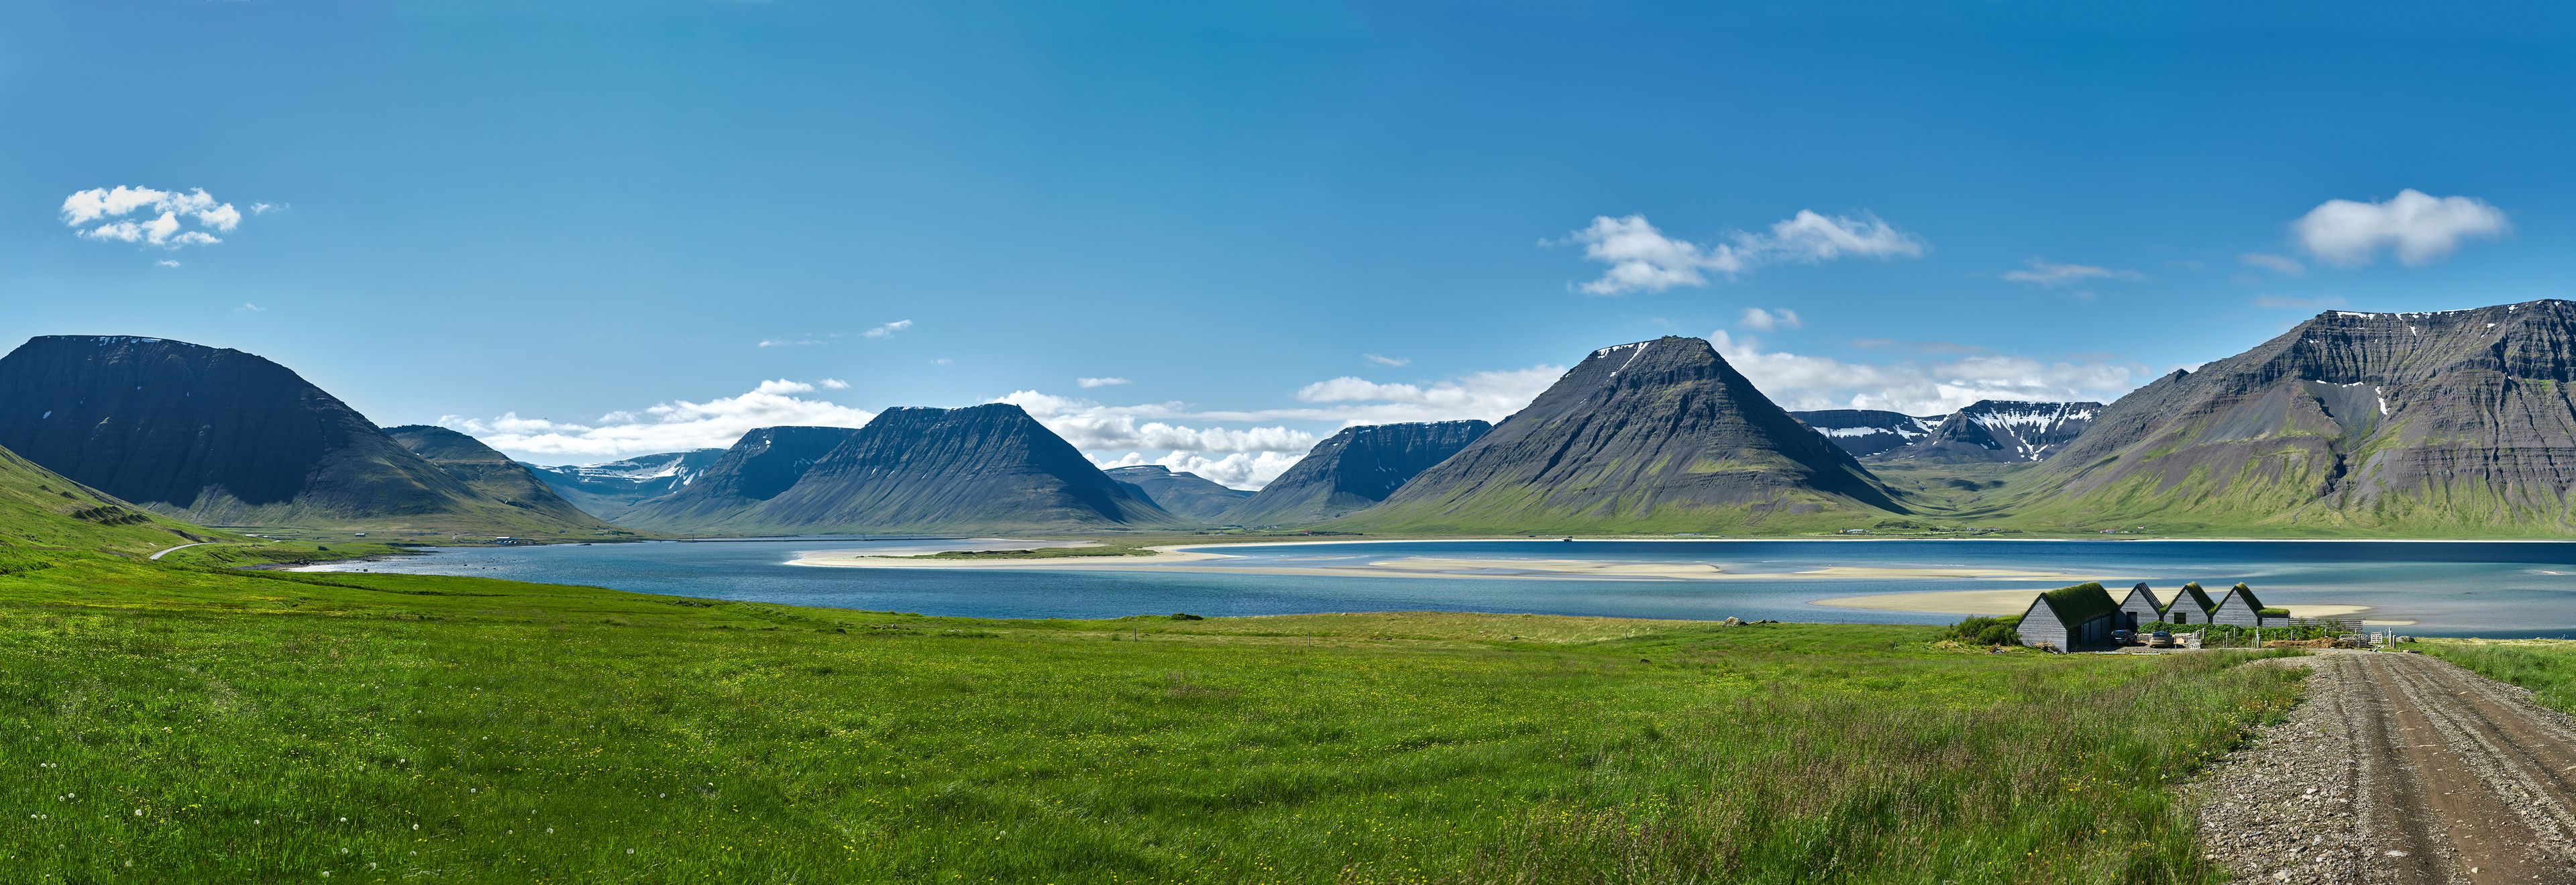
<point x="572" y="230"/>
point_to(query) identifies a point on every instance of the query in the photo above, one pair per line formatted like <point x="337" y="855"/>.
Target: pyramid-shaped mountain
<point x="756" y="468"/>
<point x="1354" y="470"/>
<point x="982" y="468"/>
<point x="1180" y="493"/>
<point x="224" y="437"/>
<point x="1658" y="436"/>
<point x="2457" y="423"/>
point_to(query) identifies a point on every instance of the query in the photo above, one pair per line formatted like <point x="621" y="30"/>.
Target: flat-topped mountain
<point x="224" y="437"/>
<point x="490" y="473"/>
<point x="2000" y="431"/>
<point x="2455" y="422"/>
<point x="1354" y="470"/>
<point x="1866" y="432"/>
<point x="1183" y="494"/>
<point x="915" y="470"/>
<point x="608" y="489"/>
<point x="1659" y="435"/>
<point x="756" y="468"/>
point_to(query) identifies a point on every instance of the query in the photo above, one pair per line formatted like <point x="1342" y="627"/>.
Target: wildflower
<point x="550" y="831"/>
<point x="138" y="812"/>
<point x="630" y="851"/>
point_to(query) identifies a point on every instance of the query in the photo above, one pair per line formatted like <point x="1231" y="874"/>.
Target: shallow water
<point x="2499" y="588"/>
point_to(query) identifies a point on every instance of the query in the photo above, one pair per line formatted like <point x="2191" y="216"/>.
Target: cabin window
<point x="2181" y="618"/>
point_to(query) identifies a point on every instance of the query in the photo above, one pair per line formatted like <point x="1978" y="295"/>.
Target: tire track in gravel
<point x="2399" y="769"/>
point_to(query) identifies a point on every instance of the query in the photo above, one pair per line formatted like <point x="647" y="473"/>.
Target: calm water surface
<point x="2451" y="589"/>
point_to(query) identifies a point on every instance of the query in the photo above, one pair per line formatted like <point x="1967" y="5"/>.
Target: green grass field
<point x="2546" y="666"/>
<point x="167" y="724"/>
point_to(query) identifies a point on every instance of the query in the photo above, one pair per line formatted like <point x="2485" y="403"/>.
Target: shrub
<point x="1983" y="630"/>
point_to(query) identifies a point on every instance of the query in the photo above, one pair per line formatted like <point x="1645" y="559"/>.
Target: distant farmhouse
<point x="2239" y="607"/>
<point x="2069" y="618"/>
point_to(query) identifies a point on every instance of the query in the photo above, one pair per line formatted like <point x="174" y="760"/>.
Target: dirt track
<point x="2399" y="769"/>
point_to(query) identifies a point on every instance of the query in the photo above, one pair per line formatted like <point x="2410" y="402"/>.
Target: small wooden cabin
<point x="2139" y="608"/>
<point x="2191" y="605"/>
<point x="2070" y="618"/>
<point x="2239" y="607"/>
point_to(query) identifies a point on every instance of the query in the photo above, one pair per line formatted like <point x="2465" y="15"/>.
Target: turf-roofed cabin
<point x="2239" y="607"/>
<point x="2139" y="608"/>
<point x="2190" y="606"/>
<point x="2069" y="618"/>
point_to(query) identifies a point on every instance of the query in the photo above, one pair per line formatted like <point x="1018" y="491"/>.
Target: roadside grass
<point x="2545" y="666"/>
<point x="183" y="724"/>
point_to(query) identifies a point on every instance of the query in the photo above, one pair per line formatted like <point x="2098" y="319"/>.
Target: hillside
<point x="2456" y="423"/>
<point x="492" y="474"/>
<point x="1658" y="435"/>
<point x="756" y="468"/>
<point x="1354" y="470"/>
<point x="980" y="468"/>
<point x="39" y="508"/>
<point x="1183" y="494"/>
<point x="223" y="437"/>
<point x="608" y="490"/>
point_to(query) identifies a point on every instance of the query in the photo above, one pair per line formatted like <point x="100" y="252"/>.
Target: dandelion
<point x="550" y="831"/>
<point x="630" y="851"/>
<point x="138" y="812"/>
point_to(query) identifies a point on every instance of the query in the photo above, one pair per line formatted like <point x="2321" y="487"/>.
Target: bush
<point x="1983" y="630"/>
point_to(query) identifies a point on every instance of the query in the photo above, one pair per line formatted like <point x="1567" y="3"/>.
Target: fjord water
<point x="2501" y="588"/>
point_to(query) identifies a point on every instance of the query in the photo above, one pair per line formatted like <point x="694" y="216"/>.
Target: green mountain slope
<point x="39" y="508"/>
<point x="495" y="477"/>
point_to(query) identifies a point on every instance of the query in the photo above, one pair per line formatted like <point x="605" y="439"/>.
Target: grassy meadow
<point x="176" y="723"/>
<point x="2545" y="666"/>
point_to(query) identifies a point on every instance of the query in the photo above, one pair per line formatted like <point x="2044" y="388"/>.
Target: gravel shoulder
<point x="2397" y="768"/>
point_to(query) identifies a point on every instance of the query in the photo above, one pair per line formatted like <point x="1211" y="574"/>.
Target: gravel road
<point x="2398" y="769"/>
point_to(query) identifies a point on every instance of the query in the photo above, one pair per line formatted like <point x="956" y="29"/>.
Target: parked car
<point x="2124" y="637"/>
<point x="2160" y="639"/>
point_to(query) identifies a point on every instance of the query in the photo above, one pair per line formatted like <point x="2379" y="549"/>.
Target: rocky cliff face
<point x="1186" y="495"/>
<point x="1659" y="435"/>
<point x="981" y="468"/>
<point x="490" y="473"/>
<point x="609" y="489"/>
<point x="225" y="437"/>
<point x="2001" y="431"/>
<point x="763" y="463"/>
<point x="1866" y="432"/>
<point x="1354" y="470"/>
<point x="2456" y="422"/>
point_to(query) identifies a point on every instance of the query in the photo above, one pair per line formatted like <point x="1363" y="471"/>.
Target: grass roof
<point x="2143" y="590"/>
<point x="2199" y="598"/>
<point x="2247" y="592"/>
<point x="2080" y="603"/>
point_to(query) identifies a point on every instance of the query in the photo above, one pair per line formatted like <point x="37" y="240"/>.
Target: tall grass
<point x="171" y="725"/>
<point x="2546" y="666"/>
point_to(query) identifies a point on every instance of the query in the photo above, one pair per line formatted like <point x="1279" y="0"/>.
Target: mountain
<point x="490" y="473"/>
<point x="1866" y="432"/>
<point x="2000" y="431"/>
<point x="760" y="465"/>
<point x="1354" y="470"/>
<point x="1658" y="435"/>
<point x="39" y="508"/>
<point x="1186" y="495"/>
<point x="224" y="437"/>
<point x="607" y="490"/>
<point x="981" y="468"/>
<point x="2451" y="423"/>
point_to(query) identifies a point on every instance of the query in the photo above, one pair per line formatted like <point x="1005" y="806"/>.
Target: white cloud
<point x="166" y="263"/>
<point x="1643" y="258"/>
<point x="100" y="214"/>
<point x="672" y="426"/>
<point x="1760" y="320"/>
<point x="1390" y="361"/>
<point x="1921" y="387"/>
<point x="2421" y="229"/>
<point x="1242" y="470"/>
<point x="2279" y="264"/>
<point x="888" y="330"/>
<point x="265" y="208"/>
<point x="1088" y="383"/>
<point x="248" y="307"/>
<point x="943" y="361"/>
<point x="2047" y="275"/>
<point x="789" y="342"/>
